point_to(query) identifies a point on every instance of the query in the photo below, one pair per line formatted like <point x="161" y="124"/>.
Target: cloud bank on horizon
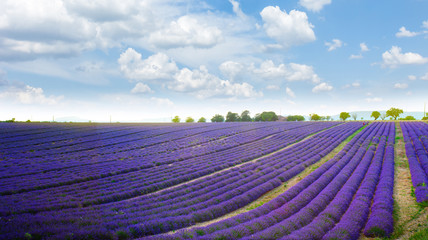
<point x="150" y="60"/>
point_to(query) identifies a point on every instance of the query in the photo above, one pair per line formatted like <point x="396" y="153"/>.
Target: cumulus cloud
<point x="314" y="5"/>
<point x="425" y="77"/>
<point x="290" y="72"/>
<point x="374" y="100"/>
<point x="401" y="85"/>
<point x="354" y="85"/>
<point x="231" y="69"/>
<point x="29" y="95"/>
<point x="364" y="47"/>
<point x="287" y="29"/>
<point x="201" y="83"/>
<point x="412" y="77"/>
<point x="237" y="10"/>
<point x="141" y="88"/>
<point x="272" y="87"/>
<point x="403" y="32"/>
<point x="158" y="66"/>
<point x="334" y="44"/>
<point x="290" y="93"/>
<point x="322" y="87"/>
<point x="186" y="31"/>
<point x="394" y="57"/>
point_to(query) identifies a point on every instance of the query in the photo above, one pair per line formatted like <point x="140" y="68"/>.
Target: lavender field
<point x="162" y="181"/>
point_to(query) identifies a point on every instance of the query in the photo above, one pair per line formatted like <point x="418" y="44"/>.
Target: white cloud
<point x="158" y="66"/>
<point x="334" y="44"/>
<point x="237" y="10"/>
<point x="394" y="57"/>
<point x="186" y="31"/>
<point x="374" y="100"/>
<point x="204" y="85"/>
<point x="290" y="93"/>
<point x="363" y="47"/>
<point x="401" y="85"/>
<point x="290" y="72"/>
<point x="29" y="95"/>
<point x="141" y="88"/>
<point x="354" y="85"/>
<point x="162" y="101"/>
<point x="412" y="77"/>
<point x="425" y="77"/>
<point x="314" y="5"/>
<point x="425" y="24"/>
<point x="231" y="69"/>
<point x="287" y="29"/>
<point x="355" y="56"/>
<point x="322" y="87"/>
<point x="403" y="32"/>
<point x="272" y="87"/>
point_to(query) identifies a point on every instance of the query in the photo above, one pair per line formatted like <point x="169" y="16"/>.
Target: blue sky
<point x="151" y="60"/>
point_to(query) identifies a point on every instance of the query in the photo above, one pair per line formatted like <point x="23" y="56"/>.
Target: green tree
<point x="409" y="118"/>
<point x="394" y="113"/>
<point x="295" y="118"/>
<point x="190" y="120"/>
<point x="269" y="116"/>
<point x="375" y="115"/>
<point x="383" y="116"/>
<point x="217" y="118"/>
<point x="232" y="117"/>
<point x="202" y="119"/>
<point x="245" y="116"/>
<point x="176" y="119"/>
<point x="315" y="117"/>
<point x="328" y="118"/>
<point x="354" y="116"/>
<point x="344" y="116"/>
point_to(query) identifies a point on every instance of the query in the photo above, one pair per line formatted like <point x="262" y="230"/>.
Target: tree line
<point x="266" y="116"/>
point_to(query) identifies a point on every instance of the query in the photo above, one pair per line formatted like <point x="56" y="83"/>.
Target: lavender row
<point x="120" y="211"/>
<point x="124" y="186"/>
<point x="295" y="213"/>
<point x="415" y="138"/>
<point x="99" y="155"/>
<point x="123" y="164"/>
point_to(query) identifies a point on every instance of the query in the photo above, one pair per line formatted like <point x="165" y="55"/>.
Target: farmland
<point x="185" y="181"/>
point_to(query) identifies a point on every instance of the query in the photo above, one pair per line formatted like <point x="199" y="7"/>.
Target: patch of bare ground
<point x="409" y="216"/>
<point x="284" y="187"/>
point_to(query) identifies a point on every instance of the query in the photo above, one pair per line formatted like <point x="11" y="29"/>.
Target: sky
<point x="150" y="60"/>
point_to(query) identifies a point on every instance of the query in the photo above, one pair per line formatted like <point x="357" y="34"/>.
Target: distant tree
<point x="176" y="119"/>
<point x="11" y="120"/>
<point x="202" y="119"/>
<point x="217" y="118"/>
<point x="409" y="118"/>
<point x="268" y="116"/>
<point x="383" y="116"/>
<point x="232" y="117"/>
<point x="295" y="118"/>
<point x="190" y="120"/>
<point x="394" y="113"/>
<point x="354" y="116"/>
<point x="245" y="116"/>
<point x="344" y="116"/>
<point x="375" y="115"/>
<point x="315" y="117"/>
<point x="328" y="118"/>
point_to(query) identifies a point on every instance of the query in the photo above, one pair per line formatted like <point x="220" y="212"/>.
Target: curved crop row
<point x="332" y="202"/>
<point x="415" y="136"/>
<point x="197" y="201"/>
